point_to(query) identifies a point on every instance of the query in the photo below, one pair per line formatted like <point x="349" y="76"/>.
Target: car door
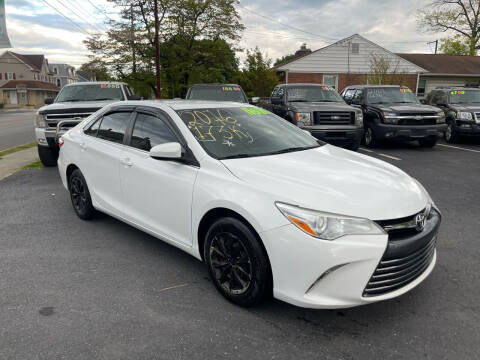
<point x="101" y="148"/>
<point x="157" y="193"/>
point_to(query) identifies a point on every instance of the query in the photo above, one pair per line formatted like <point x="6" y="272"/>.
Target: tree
<point x="454" y="46"/>
<point x="460" y="17"/>
<point x="284" y="59"/>
<point x="257" y="78"/>
<point x="96" y="69"/>
<point x="385" y="71"/>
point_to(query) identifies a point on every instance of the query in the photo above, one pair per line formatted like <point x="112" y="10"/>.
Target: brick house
<point x="349" y="62"/>
<point x="25" y="79"/>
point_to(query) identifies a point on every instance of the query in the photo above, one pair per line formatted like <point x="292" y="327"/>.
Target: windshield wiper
<point x="292" y="149"/>
<point x="71" y="100"/>
<point x="102" y="99"/>
<point x="237" y="156"/>
<point x="404" y="102"/>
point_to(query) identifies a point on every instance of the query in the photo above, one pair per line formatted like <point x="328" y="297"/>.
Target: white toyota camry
<point x="267" y="207"/>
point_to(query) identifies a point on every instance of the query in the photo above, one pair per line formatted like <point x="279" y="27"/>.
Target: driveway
<point x="104" y="290"/>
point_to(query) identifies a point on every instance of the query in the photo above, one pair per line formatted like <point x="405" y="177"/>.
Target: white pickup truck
<point x="74" y="103"/>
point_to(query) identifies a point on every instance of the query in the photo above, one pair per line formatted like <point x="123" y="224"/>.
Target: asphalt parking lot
<point x="104" y="290"/>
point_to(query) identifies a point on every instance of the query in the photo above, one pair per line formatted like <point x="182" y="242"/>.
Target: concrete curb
<point x="11" y="163"/>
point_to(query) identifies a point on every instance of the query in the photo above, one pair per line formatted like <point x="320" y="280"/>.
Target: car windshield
<point x="217" y="93"/>
<point x="464" y="96"/>
<point x="313" y="94"/>
<point x="389" y="95"/>
<point x="245" y="132"/>
<point x="94" y="92"/>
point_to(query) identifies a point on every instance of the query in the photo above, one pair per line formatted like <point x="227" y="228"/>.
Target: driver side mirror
<point x="49" y="101"/>
<point x="171" y="150"/>
<point x="254" y="100"/>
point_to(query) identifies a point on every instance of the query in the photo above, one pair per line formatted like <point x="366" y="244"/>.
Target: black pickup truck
<point x="320" y="110"/>
<point x="393" y="112"/>
<point x="461" y="106"/>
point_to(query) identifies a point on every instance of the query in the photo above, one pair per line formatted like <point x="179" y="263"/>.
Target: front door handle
<point x="127" y="162"/>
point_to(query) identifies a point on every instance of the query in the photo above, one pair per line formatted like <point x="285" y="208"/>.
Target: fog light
<point x="42" y="141"/>
<point x="465" y="126"/>
<point x="389" y="134"/>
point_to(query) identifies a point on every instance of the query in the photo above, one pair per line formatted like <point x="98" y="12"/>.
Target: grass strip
<point x="35" y="165"/>
<point x="17" y="148"/>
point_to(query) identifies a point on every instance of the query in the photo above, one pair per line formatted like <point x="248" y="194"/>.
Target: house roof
<point x="446" y="64"/>
<point x="34" y="61"/>
<point x="29" y="84"/>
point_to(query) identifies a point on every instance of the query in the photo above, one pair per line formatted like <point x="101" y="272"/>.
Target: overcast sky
<point x="34" y="27"/>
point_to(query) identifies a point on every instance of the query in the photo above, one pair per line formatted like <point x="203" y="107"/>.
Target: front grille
<point x="417" y="122"/>
<point x="53" y="119"/>
<point x="392" y="273"/>
<point x="334" y="118"/>
<point x="477" y="115"/>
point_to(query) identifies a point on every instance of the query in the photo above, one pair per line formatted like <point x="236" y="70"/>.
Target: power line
<point x="66" y="17"/>
<point x="78" y="16"/>
<point x="80" y="9"/>
<point x="101" y="10"/>
<point x="286" y="25"/>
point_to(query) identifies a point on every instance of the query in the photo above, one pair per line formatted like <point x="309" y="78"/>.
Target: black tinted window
<point x="113" y="126"/>
<point x="358" y="97"/>
<point x="150" y="131"/>
<point x="92" y="130"/>
<point x="349" y="94"/>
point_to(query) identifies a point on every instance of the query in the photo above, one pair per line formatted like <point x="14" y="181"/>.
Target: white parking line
<point x="390" y="157"/>
<point x="363" y="149"/>
<point x="459" y="148"/>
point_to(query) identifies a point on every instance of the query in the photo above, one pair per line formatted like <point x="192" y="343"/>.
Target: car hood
<point x="407" y="108"/>
<point x="334" y="180"/>
<point x="466" y="107"/>
<point x="65" y="106"/>
<point x="319" y="106"/>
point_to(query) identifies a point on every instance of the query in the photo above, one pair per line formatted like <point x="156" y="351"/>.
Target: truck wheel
<point x="428" y="142"/>
<point x="369" y="137"/>
<point x="450" y="134"/>
<point x="48" y="156"/>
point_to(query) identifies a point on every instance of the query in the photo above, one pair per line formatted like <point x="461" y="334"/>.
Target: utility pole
<point x="132" y="43"/>
<point x="158" y="95"/>
<point x="436" y="45"/>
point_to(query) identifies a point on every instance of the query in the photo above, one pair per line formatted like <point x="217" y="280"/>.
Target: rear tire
<point x="427" y="143"/>
<point x="237" y="263"/>
<point x="369" y="137"/>
<point x="80" y="195"/>
<point x="48" y="156"/>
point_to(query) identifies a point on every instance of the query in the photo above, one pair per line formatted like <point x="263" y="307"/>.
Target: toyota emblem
<point x="420" y="221"/>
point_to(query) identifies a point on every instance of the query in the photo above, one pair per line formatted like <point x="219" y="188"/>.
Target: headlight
<point x="464" y="115"/>
<point x="359" y="117"/>
<point x="390" y="118"/>
<point x="303" y="118"/>
<point x="40" y="121"/>
<point x="327" y="226"/>
<point x="441" y="117"/>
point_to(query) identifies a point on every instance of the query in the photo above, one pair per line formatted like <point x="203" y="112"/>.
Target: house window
<point x="331" y="80"/>
<point x="421" y="86"/>
<point x="355" y="48"/>
<point x="59" y="83"/>
<point x="9" y="76"/>
<point x="55" y="70"/>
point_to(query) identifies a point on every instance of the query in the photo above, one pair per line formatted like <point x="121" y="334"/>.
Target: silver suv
<point x="74" y="103"/>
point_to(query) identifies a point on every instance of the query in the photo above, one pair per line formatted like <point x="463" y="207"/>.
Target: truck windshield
<point x="313" y="94"/>
<point x="217" y="93"/>
<point x="94" y="92"/>
<point x="464" y="96"/>
<point x="227" y="133"/>
<point x="389" y="95"/>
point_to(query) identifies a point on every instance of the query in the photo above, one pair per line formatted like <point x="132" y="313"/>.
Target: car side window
<point x="349" y="94"/>
<point x="150" y="131"/>
<point x="93" y="129"/>
<point x="113" y="126"/>
<point x="274" y="92"/>
<point x="358" y="97"/>
<point x="280" y="92"/>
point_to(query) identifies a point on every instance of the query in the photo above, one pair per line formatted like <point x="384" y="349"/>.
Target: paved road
<point x="16" y="128"/>
<point x="104" y="290"/>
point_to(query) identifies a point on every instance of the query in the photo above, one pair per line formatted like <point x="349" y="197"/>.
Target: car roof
<point x="96" y="83"/>
<point x="456" y="88"/>
<point x="182" y="104"/>
<point x="374" y="86"/>
<point x="302" y="84"/>
<point x="213" y="84"/>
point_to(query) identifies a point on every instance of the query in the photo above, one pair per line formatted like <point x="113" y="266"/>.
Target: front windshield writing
<point x="464" y="96"/>
<point x="313" y="94"/>
<point x="95" y="92"/>
<point x="391" y="95"/>
<point x="244" y="132"/>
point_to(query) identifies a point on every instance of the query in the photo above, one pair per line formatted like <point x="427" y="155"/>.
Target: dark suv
<point x="461" y="106"/>
<point x="393" y="112"/>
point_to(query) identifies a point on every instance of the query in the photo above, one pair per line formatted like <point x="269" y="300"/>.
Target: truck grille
<point x="53" y="119"/>
<point x="396" y="272"/>
<point x="417" y="119"/>
<point x="334" y="118"/>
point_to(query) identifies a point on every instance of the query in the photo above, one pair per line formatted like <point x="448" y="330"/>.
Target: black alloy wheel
<point x="80" y="196"/>
<point x="237" y="262"/>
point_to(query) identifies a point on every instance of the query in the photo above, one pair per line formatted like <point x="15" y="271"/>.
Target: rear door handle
<point x="127" y="162"/>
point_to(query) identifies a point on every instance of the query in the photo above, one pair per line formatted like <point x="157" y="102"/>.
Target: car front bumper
<point x="314" y="273"/>
<point x="405" y="132"/>
<point x="336" y="135"/>
<point x="467" y="128"/>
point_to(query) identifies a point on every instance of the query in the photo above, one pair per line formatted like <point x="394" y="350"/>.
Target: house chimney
<point x="303" y="51"/>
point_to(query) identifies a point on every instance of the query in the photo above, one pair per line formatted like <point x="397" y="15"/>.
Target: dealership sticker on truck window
<point x="110" y="86"/>
<point x="230" y="88"/>
<point x="457" y="92"/>
<point x="255" y="111"/>
<point x="405" y="90"/>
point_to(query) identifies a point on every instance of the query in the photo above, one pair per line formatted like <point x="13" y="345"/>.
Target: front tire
<point x="237" y="262"/>
<point x="48" y="156"/>
<point x="80" y="195"/>
<point x="450" y="134"/>
<point x="369" y="137"/>
<point x="427" y="143"/>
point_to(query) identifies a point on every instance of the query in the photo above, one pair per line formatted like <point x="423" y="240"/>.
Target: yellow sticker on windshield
<point x="405" y="90"/>
<point x="255" y="111"/>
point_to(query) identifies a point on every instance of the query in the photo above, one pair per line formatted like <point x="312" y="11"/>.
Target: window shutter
<point x="0" y="76"/>
<point x="14" y="77"/>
